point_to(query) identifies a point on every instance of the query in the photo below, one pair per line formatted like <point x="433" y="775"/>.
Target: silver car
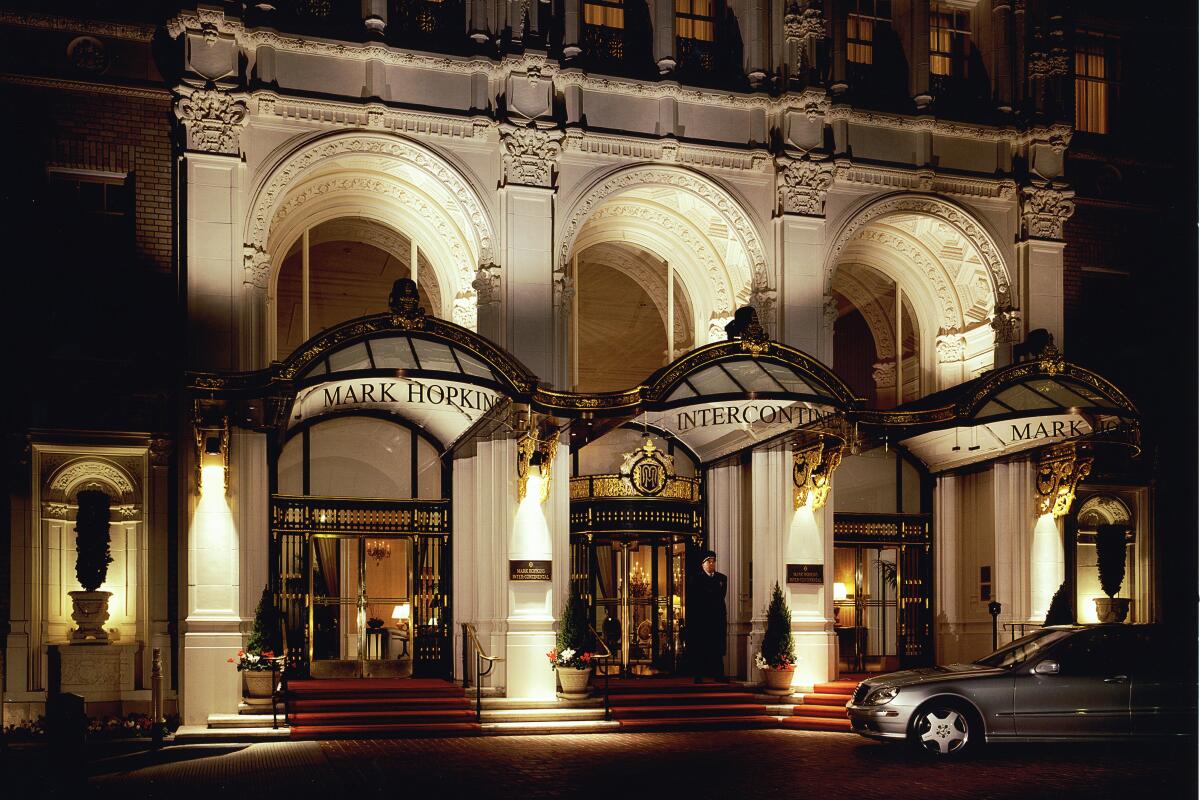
<point x="1061" y="683"/>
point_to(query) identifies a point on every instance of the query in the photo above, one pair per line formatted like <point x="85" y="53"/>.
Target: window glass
<point x="1099" y="651"/>
<point x="290" y="466"/>
<point x="608" y="14"/>
<point x="1097" y="80"/>
<point x="694" y="19"/>
<point x="949" y="40"/>
<point x="861" y="22"/>
<point x="360" y="457"/>
<point x="866" y="483"/>
<point x="393" y="353"/>
<point x="348" y="358"/>
<point x="1024" y="649"/>
<point x="435" y="356"/>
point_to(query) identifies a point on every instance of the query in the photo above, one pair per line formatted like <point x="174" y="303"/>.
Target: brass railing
<point x="600" y="487"/>
<point x="471" y="644"/>
<point x="605" y="656"/>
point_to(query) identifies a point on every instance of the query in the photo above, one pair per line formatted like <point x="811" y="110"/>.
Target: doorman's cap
<point x="707" y="555"/>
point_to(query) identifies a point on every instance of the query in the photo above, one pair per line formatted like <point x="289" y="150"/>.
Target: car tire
<point x="945" y="728"/>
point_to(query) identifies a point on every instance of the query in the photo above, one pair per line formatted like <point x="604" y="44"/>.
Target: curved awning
<point x="1030" y="404"/>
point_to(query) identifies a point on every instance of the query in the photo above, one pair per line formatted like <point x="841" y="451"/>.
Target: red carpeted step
<point x="807" y="710"/>
<point x="696" y="723"/>
<point x="334" y="688"/>
<point x="385" y="731"/>
<point x="361" y="718"/>
<point x="836" y="687"/>
<point x="317" y="705"/>
<point x="676" y="711"/>
<point x="679" y="698"/>
<point x="665" y="686"/>
<point x="817" y="724"/>
<point x="819" y="699"/>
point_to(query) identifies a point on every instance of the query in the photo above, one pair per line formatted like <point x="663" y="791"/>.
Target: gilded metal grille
<point x="616" y="486"/>
<point x="337" y="515"/>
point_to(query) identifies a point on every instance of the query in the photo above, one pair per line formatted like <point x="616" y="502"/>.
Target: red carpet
<point x="661" y="704"/>
<point x="341" y="708"/>
<point x="825" y="708"/>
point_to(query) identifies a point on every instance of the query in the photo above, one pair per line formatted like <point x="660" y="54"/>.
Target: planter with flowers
<point x="777" y="656"/>
<point x="571" y="659"/>
<point x="257" y="661"/>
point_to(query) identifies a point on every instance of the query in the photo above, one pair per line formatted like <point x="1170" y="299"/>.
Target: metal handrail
<point x="480" y="672"/>
<point x="606" y="655"/>
<point x="1013" y="627"/>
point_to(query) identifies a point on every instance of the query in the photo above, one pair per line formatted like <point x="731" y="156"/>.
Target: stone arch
<point x="388" y="179"/>
<point x="736" y="276"/>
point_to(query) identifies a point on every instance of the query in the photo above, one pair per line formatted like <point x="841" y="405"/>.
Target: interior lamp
<point x="400" y="614"/>
<point x="839" y="596"/>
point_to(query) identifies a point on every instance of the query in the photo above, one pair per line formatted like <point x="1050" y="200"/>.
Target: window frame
<point x="864" y="12"/>
<point x="1109" y="83"/>
<point x="957" y="56"/>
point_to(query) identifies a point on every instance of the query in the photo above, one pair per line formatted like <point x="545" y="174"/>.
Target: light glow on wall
<point x="1045" y="565"/>
<point x="804" y="539"/>
<point x="531" y="534"/>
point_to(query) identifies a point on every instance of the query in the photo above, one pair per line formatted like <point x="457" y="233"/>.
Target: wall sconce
<point x="535" y="458"/>
<point x="212" y="453"/>
<point x="1060" y="469"/>
<point x="812" y="473"/>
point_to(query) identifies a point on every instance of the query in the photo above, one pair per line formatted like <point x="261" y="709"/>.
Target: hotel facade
<point x="452" y="311"/>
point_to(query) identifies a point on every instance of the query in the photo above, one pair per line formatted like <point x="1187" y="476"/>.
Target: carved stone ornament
<point x="530" y="156"/>
<point x="884" y="374"/>
<point x="1007" y="325"/>
<point x="404" y="305"/>
<point x="746" y="328"/>
<point x="950" y="348"/>
<point x="803" y="21"/>
<point x="1059" y="471"/>
<point x="1044" y="211"/>
<point x="256" y="268"/>
<point x="487" y="284"/>
<point x="812" y="473"/>
<point x="830" y="312"/>
<point x="802" y="186"/>
<point x="212" y="119"/>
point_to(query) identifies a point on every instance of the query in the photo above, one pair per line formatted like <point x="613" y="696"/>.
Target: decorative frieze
<point x="213" y="120"/>
<point x="531" y="156"/>
<point x="802" y="186"/>
<point x="1045" y="210"/>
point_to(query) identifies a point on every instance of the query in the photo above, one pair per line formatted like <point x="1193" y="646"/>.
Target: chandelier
<point x="379" y="549"/>
<point x="639" y="585"/>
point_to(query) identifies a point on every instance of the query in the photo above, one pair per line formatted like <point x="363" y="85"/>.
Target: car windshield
<point x="1023" y="649"/>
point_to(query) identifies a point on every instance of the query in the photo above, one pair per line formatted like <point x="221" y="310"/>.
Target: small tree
<point x="92" y="555"/>
<point x="262" y="635"/>
<point x="778" y="650"/>
<point x="1110" y="557"/>
<point x="1059" y="612"/>
<point x="573" y="644"/>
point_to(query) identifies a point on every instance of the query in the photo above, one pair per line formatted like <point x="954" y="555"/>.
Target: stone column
<point x="249" y="493"/>
<point x="807" y="541"/>
<point x="753" y="18"/>
<point x="375" y="16"/>
<point x="918" y="53"/>
<point x="158" y="524"/>
<point x="1045" y="208"/>
<point x="1002" y="55"/>
<point x="1058" y="471"/>
<point x="951" y="351"/>
<point x="801" y="188"/>
<point x="1013" y="515"/>
<point x="572" y="25"/>
<point x="527" y="203"/>
<point x="730" y="539"/>
<point x="664" y="36"/>
<point x="769" y="519"/>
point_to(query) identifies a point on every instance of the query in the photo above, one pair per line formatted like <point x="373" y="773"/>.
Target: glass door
<point x="638" y="601"/>
<point x="866" y="607"/>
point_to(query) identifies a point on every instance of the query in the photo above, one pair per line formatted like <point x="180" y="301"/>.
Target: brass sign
<point x="529" y="570"/>
<point x="805" y="573"/>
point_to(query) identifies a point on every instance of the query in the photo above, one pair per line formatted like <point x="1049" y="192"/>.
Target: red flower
<point x="230" y="660"/>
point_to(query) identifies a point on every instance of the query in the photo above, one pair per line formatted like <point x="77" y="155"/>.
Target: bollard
<point x="994" y="610"/>
<point x="157" y="722"/>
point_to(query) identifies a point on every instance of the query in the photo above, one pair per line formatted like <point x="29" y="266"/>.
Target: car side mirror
<point x="1046" y="667"/>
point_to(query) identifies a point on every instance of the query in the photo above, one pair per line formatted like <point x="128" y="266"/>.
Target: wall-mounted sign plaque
<point x="805" y="573"/>
<point x="529" y="570"/>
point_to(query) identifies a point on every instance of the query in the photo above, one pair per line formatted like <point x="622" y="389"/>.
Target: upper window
<point x="1097" y="80"/>
<point x="695" y="19"/>
<point x="861" y="21"/>
<point x="603" y="27"/>
<point x="949" y="40"/>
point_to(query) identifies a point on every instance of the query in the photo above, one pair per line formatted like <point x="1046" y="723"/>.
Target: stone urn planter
<point x="90" y="612"/>
<point x="778" y="682"/>
<point x="257" y="686"/>
<point x="574" y="682"/>
<point x="1112" y="609"/>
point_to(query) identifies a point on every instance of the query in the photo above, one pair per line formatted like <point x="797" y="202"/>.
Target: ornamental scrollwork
<point x="951" y="348"/>
<point x="1045" y="210"/>
<point x="527" y="446"/>
<point x="212" y="119"/>
<point x="530" y="156"/>
<point x="802" y="186"/>
<point x="1059" y="471"/>
<point x="812" y="474"/>
<point x="487" y="284"/>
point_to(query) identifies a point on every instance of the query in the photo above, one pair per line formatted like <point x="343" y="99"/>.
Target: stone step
<point x="543" y="715"/>
<point x="199" y="733"/>
<point x="242" y="720"/>
<point x="553" y="726"/>
<point x="498" y="703"/>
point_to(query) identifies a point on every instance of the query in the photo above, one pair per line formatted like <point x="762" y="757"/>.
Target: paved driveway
<point x="728" y="764"/>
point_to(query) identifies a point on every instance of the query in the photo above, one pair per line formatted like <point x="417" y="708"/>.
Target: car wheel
<point x="945" y="729"/>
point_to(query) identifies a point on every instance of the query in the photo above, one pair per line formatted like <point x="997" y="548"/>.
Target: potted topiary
<point x="571" y="657"/>
<point x="89" y="608"/>
<point x="257" y="661"/>
<point x="777" y="656"/>
<point x="1110" y="563"/>
<point x="1059" y="612"/>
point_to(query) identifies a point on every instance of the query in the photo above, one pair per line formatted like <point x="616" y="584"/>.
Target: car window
<point x="1098" y="651"/>
<point x="1023" y="649"/>
<point x="1160" y="654"/>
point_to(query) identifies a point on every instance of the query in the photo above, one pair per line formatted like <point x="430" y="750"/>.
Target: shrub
<point x="1110" y="557"/>
<point x="1059" y="612"/>
<point x="92" y="555"/>
<point x="778" y="650"/>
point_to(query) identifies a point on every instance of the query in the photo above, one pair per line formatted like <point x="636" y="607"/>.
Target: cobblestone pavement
<point x="727" y="764"/>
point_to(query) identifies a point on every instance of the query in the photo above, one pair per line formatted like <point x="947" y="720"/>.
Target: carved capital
<point x="487" y="284"/>
<point x="951" y="348"/>
<point x="802" y="185"/>
<point x="1044" y="211"/>
<point x="803" y="21"/>
<point x="256" y="267"/>
<point x="213" y="120"/>
<point x="884" y="375"/>
<point x="1007" y="325"/>
<point x="530" y="156"/>
<point x="830" y="310"/>
<point x="1059" y="470"/>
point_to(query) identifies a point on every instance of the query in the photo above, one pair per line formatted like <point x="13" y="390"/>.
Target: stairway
<point x="824" y="709"/>
<point x="378" y="707"/>
<point x="679" y="704"/>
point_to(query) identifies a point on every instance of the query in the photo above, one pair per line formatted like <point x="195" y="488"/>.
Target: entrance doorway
<point x="638" y="598"/>
<point x="866" y="608"/>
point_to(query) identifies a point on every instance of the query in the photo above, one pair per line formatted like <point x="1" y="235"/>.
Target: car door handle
<point x="1117" y="679"/>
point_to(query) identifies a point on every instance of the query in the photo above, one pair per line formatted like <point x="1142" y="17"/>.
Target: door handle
<point x="1117" y="679"/>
